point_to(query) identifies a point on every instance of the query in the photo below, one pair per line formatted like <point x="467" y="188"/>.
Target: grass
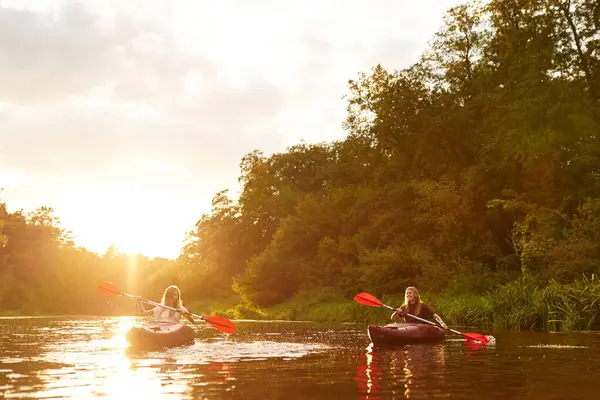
<point x="518" y="305"/>
<point x="222" y="306"/>
<point x="324" y="305"/>
<point x="524" y="305"/>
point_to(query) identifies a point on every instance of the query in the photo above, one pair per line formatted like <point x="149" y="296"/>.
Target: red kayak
<point x="405" y="333"/>
<point x="159" y="335"/>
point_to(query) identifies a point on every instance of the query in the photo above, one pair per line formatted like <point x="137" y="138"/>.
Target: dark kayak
<point x="405" y="333"/>
<point x="159" y="335"/>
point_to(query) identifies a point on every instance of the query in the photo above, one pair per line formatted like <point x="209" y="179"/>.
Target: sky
<point x="128" y="116"/>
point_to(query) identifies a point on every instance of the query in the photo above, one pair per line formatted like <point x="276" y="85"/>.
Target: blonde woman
<point x="171" y="298"/>
<point x="413" y="305"/>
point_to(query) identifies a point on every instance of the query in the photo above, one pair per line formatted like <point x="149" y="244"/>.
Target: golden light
<point x="123" y="379"/>
<point x="135" y="220"/>
<point x="128" y="383"/>
<point x="369" y="369"/>
<point x="11" y="177"/>
<point x="408" y="374"/>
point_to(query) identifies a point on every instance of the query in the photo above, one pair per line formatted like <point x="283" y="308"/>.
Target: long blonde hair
<point x="412" y="308"/>
<point x="168" y="294"/>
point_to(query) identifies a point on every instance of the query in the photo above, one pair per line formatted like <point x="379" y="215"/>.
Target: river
<point x="88" y="357"/>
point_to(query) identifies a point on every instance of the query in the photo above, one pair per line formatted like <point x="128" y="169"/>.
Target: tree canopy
<point x="475" y="166"/>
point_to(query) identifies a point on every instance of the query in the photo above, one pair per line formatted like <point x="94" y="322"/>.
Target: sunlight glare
<point x="131" y="384"/>
<point x="132" y="219"/>
<point x="117" y="331"/>
<point x="132" y="380"/>
<point x="10" y="177"/>
<point x="408" y="376"/>
<point x="125" y="324"/>
<point x="152" y="166"/>
<point x="369" y="371"/>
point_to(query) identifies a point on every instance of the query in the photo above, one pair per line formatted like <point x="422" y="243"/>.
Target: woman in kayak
<point x="171" y="298"/>
<point x="413" y="305"/>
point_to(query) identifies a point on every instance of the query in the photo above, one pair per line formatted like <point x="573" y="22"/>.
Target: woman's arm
<point x="143" y="311"/>
<point x="187" y="315"/>
<point x="398" y="313"/>
<point x="440" y="321"/>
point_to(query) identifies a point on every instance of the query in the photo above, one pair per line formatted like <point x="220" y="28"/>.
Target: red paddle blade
<point x="221" y="323"/>
<point x="368" y="300"/>
<point x="108" y="289"/>
<point x="475" y="336"/>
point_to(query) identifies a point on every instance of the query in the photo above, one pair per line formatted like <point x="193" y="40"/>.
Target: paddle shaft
<point x="424" y="320"/>
<point x="157" y="304"/>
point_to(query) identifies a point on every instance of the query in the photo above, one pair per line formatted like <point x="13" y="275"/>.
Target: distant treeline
<point x="476" y="167"/>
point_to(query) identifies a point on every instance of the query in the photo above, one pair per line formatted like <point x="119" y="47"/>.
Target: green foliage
<point x="465" y="309"/>
<point x="554" y="306"/>
<point x="482" y="166"/>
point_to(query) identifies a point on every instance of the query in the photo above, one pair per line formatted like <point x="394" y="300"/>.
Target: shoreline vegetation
<point x="473" y="174"/>
<point x="519" y="305"/>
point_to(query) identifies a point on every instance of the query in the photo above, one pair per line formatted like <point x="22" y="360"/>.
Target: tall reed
<point x="523" y="304"/>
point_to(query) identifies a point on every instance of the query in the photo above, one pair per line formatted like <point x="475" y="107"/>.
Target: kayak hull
<point x="159" y="335"/>
<point x="404" y="333"/>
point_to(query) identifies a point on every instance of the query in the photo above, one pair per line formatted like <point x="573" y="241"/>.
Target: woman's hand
<point x="398" y="313"/>
<point x="440" y="321"/>
<point x="189" y="317"/>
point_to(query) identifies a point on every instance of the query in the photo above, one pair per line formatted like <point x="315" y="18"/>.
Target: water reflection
<point x="401" y="371"/>
<point x="178" y="372"/>
<point x="83" y="358"/>
<point x="86" y="357"/>
<point x="369" y="374"/>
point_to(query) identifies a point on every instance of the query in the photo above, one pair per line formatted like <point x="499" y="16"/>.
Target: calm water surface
<point x="86" y="357"/>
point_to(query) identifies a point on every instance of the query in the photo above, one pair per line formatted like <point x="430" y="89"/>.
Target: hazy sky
<point x="127" y="116"/>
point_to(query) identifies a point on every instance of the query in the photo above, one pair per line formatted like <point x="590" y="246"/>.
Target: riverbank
<point x="519" y="305"/>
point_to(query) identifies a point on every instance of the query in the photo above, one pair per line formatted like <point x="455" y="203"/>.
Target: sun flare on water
<point x="124" y="379"/>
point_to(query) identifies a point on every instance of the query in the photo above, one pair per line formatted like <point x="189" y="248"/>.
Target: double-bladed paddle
<point x="220" y="323"/>
<point x="370" y="300"/>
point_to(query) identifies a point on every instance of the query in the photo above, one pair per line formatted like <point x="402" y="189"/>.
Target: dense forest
<point x="473" y="173"/>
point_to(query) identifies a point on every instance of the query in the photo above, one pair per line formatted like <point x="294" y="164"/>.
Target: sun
<point x="137" y="236"/>
<point x="134" y="220"/>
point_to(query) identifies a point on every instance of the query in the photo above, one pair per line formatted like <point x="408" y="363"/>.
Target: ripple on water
<point x="228" y="351"/>
<point x="68" y="358"/>
<point x="555" y="346"/>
